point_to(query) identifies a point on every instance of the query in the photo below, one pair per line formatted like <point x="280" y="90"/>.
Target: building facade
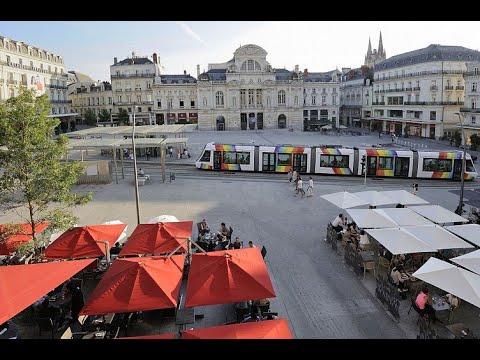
<point x="246" y="93"/>
<point x="22" y="64"/>
<point x="97" y="97"/>
<point x="418" y="93"/>
<point x="356" y="97"/>
<point x="471" y="109"/>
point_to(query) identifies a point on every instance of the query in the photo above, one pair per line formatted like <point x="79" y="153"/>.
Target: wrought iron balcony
<point x="448" y="87"/>
<point x="470" y="110"/>
<point x="459" y="87"/>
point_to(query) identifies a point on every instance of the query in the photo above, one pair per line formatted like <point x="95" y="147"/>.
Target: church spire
<point x="380" y="44"/>
<point x="369" y="51"/>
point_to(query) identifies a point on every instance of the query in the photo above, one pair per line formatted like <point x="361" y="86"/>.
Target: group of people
<point x="351" y="233"/>
<point x="298" y="181"/>
<point x="223" y="234"/>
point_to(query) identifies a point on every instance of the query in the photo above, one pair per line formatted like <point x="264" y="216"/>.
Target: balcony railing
<point x="12" y="82"/>
<point x="118" y="90"/>
<point x="123" y="76"/>
<point x="60" y="101"/>
<point x="408" y="89"/>
<point x="448" y="87"/>
<point x="422" y="73"/>
<point x="433" y="88"/>
<point x="52" y="86"/>
<point x="471" y="73"/>
<point x="433" y="103"/>
<point x="459" y="87"/>
<point x="416" y="88"/>
<point x="379" y="103"/>
<point x="471" y="110"/>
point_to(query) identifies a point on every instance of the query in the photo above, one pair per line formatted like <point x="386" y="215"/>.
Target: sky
<point x="90" y="46"/>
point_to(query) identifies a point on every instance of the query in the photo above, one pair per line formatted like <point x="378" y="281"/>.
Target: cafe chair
<point x="384" y="262"/>
<point x="452" y="310"/>
<point x="369" y="265"/>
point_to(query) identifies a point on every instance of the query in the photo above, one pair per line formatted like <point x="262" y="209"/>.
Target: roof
<point x="178" y="79"/>
<point x="214" y="75"/>
<point x="434" y="52"/>
<point x="317" y="77"/>
<point x="134" y="61"/>
<point x="79" y="77"/>
<point x="283" y="74"/>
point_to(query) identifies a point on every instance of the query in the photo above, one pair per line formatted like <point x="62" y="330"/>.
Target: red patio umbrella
<point x="157" y="337"/>
<point x="137" y="284"/>
<point x="268" y="329"/>
<point x="22" y="285"/>
<point x="25" y="235"/>
<point x="228" y="276"/>
<point x="157" y="238"/>
<point x="83" y="241"/>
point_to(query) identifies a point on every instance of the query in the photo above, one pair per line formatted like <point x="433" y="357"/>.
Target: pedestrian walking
<point x="295" y="177"/>
<point x="300" y="186"/>
<point x="148" y="154"/>
<point x="310" y="187"/>
<point x="170" y="150"/>
<point x="415" y="188"/>
<point x="290" y="175"/>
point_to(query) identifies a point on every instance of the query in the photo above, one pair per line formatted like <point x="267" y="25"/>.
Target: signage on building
<point x="37" y="83"/>
<point x="182" y="116"/>
<point x="192" y="115"/>
<point x="170" y="116"/>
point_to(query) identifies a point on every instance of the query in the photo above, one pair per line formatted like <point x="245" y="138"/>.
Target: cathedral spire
<point x="369" y="51"/>
<point x="380" y="44"/>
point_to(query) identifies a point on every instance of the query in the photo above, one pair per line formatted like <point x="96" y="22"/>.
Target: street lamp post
<point x="137" y="200"/>
<point x="464" y="164"/>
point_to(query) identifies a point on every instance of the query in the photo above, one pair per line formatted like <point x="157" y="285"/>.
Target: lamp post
<point x="464" y="164"/>
<point x="137" y="200"/>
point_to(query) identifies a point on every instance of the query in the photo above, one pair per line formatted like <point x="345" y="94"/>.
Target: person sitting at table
<point x="47" y="310"/>
<point x="77" y="300"/>
<point x="115" y="250"/>
<point x="399" y="278"/>
<point x="338" y="223"/>
<point x="363" y="241"/>
<point x="204" y="228"/>
<point x="237" y="244"/>
<point x="250" y="244"/>
<point x="424" y="303"/>
<point x="222" y="232"/>
<point x="452" y="300"/>
<point x="141" y="172"/>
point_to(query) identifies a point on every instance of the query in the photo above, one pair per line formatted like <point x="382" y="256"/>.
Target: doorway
<point x="217" y="160"/>
<point x="457" y="169"/>
<point x="300" y="162"/>
<point x="220" y="123"/>
<point x="371" y="165"/>
<point x="401" y="166"/>
<point x="268" y="163"/>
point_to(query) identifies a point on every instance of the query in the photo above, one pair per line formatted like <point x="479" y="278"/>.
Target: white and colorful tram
<point x="336" y="160"/>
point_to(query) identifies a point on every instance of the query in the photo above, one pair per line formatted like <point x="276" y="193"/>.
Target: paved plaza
<point x="316" y="291"/>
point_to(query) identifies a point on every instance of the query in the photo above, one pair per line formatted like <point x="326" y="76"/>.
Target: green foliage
<point x="90" y="117"/>
<point x="123" y="116"/>
<point x="474" y="142"/>
<point x="457" y="138"/>
<point x="104" y="115"/>
<point x="32" y="178"/>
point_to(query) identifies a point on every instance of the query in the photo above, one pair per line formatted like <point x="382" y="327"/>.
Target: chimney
<point x="155" y="59"/>
<point x="296" y="69"/>
<point x="198" y="70"/>
<point x="184" y="72"/>
<point x="305" y="72"/>
<point x="115" y="60"/>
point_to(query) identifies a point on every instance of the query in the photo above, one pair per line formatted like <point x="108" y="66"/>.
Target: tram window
<point x="385" y="163"/>
<point x="284" y="159"/>
<point x="334" y="161"/>
<point x="441" y="165"/>
<point x="243" y="158"/>
<point x="206" y="156"/>
<point x="229" y="157"/>
<point x="469" y="166"/>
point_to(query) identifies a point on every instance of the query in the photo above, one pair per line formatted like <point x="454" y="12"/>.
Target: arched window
<point x="219" y="98"/>
<point x="251" y="65"/>
<point x="281" y="97"/>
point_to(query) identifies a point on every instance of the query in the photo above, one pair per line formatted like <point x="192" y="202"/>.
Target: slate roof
<point x="434" y="52"/>
<point x="134" y="61"/>
<point x="177" y="79"/>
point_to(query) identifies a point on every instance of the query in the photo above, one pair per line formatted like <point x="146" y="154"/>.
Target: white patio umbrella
<point x="448" y="277"/>
<point x="368" y="218"/>
<point x="344" y="200"/>
<point x="437" y="237"/>
<point x="469" y="232"/>
<point x="471" y="261"/>
<point x="437" y="214"/>
<point x="163" y="218"/>
<point x="399" y="241"/>
<point x="326" y="127"/>
<point x="342" y="127"/>
<point x="374" y="198"/>
<point x="403" y="216"/>
<point x="404" y="197"/>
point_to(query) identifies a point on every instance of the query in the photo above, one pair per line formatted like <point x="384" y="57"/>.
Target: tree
<point x="104" y="115"/>
<point x="33" y="182"/>
<point x="123" y="116"/>
<point x="457" y="138"/>
<point x="90" y="117"/>
<point x="474" y="142"/>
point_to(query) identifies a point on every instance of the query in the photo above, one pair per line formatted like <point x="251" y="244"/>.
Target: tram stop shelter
<point x="160" y="131"/>
<point x="120" y="144"/>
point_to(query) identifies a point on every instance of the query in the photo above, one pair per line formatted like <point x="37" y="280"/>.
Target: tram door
<point x="457" y="169"/>
<point x="217" y="160"/>
<point x="401" y="166"/>
<point x="371" y="165"/>
<point x="300" y="162"/>
<point x="268" y="163"/>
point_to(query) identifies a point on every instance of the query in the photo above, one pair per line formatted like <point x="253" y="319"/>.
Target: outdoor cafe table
<point x="366" y="256"/>
<point x="95" y="335"/>
<point x="459" y="330"/>
<point x="439" y="303"/>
